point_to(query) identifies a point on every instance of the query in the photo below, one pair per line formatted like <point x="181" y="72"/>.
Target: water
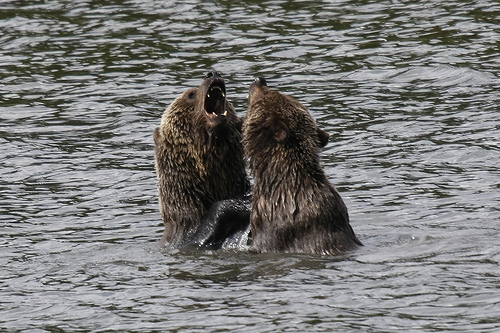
<point x="408" y="90"/>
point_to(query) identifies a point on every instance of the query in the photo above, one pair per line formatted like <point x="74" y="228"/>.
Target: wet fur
<point x="294" y="206"/>
<point x="199" y="161"/>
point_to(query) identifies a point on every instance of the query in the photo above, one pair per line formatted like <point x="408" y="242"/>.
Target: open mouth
<point x="215" y="100"/>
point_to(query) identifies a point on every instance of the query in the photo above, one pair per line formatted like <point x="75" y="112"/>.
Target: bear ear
<point x="323" y="138"/>
<point x="281" y="134"/>
<point x="156" y="136"/>
<point x="279" y="129"/>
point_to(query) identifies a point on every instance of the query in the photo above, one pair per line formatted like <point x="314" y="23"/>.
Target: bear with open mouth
<point x="294" y="207"/>
<point x="199" y="163"/>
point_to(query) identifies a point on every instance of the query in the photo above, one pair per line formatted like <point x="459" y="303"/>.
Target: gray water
<point x="408" y="90"/>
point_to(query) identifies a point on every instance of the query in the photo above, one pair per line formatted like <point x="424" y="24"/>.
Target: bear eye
<point x="192" y="94"/>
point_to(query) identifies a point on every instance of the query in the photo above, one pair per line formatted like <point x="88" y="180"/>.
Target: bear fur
<point x="226" y="225"/>
<point x="294" y="206"/>
<point x="199" y="158"/>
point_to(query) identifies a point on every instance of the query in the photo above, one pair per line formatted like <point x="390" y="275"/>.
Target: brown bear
<point x="294" y="206"/>
<point x="199" y="158"/>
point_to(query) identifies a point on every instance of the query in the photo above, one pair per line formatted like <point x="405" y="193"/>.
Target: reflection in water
<point x="407" y="90"/>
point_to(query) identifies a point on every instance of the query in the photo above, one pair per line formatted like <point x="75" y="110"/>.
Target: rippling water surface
<point x="408" y="90"/>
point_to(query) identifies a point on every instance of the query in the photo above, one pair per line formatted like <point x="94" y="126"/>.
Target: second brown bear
<point x="294" y="206"/>
<point x="199" y="163"/>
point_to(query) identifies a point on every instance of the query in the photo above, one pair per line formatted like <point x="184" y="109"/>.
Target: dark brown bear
<point x="199" y="158"/>
<point x="294" y="206"/>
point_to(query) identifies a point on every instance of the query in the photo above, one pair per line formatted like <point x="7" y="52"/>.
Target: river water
<point x="408" y="90"/>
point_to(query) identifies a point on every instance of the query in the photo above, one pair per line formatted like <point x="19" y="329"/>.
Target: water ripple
<point x="407" y="90"/>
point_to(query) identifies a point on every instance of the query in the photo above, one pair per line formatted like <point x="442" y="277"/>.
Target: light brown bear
<point x="294" y="206"/>
<point x="199" y="158"/>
